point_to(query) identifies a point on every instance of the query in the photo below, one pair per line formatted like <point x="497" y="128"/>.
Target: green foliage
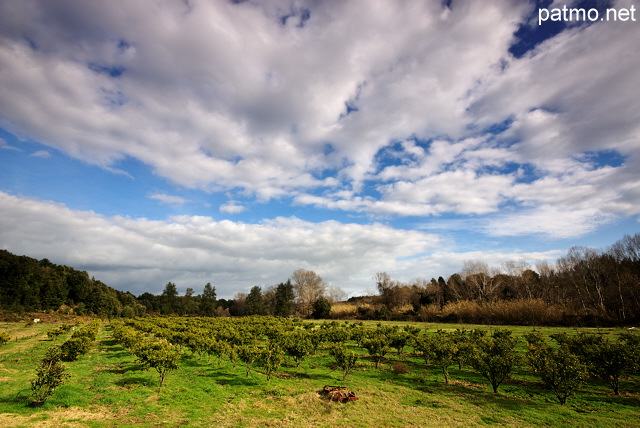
<point x="494" y="357"/>
<point x="399" y="339"/>
<point x="344" y="359"/>
<point x="438" y="350"/>
<point x="297" y="344"/>
<point x="321" y="308"/>
<point x="158" y="354"/>
<point x="74" y="347"/>
<point x="247" y="353"/>
<point x="271" y="358"/>
<point x="54" y="333"/>
<point x="632" y="349"/>
<point x="27" y="284"/>
<point x="4" y="337"/>
<point x="49" y="375"/>
<point x="377" y="344"/>
<point x="558" y="368"/>
<point x="255" y="304"/>
<point x="208" y="300"/>
<point x="80" y="341"/>
<point x="284" y="299"/>
<point x="603" y="358"/>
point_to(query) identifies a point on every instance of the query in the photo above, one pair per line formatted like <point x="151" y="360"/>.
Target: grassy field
<point x="107" y="388"/>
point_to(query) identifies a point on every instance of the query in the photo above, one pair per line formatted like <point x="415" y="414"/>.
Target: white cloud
<point x="169" y="199"/>
<point x="224" y="97"/>
<point x="6" y="146"/>
<point x="41" y="154"/>
<point x="142" y="255"/>
<point x="187" y="104"/>
<point x="232" y="207"/>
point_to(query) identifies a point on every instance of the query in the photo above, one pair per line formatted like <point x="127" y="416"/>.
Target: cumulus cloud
<point x="169" y="199"/>
<point x="412" y="109"/>
<point x="140" y="255"/>
<point x="232" y="207"/>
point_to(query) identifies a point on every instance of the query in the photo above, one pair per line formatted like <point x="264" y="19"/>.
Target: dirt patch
<point x="70" y="417"/>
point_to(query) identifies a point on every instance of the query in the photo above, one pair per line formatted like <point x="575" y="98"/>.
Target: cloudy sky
<point x="235" y="142"/>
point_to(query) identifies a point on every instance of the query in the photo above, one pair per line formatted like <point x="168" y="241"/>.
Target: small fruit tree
<point x="271" y="358"/>
<point x="49" y="375"/>
<point x="494" y="357"/>
<point x="438" y="350"/>
<point x="560" y="370"/>
<point x="345" y="359"/>
<point x="160" y="355"/>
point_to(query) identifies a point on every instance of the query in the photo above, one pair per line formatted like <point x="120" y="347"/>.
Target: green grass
<point x="107" y="388"/>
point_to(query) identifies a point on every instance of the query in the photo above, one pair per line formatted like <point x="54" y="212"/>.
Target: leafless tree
<point x="309" y="286"/>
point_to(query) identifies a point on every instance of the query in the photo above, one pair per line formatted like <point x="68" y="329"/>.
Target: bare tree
<point x="480" y="279"/>
<point x="335" y="294"/>
<point x="309" y="286"/>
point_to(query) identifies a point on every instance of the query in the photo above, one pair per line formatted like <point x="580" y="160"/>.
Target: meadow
<point x="108" y="387"/>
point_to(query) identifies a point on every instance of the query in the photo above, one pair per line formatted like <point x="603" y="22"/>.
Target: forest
<point x="584" y="287"/>
<point x="31" y="285"/>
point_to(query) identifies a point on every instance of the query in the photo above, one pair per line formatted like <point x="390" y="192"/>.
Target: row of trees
<point x="267" y="342"/>
<point x="304" y="294"/>
<point x="602" y="284"/>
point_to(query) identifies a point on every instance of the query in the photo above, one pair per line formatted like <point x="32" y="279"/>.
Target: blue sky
<point x="235" y="142"/>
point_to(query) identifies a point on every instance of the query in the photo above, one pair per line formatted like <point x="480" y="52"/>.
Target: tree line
<point x="28" y="284"/>
<point x="305" y="294"/>
<point x="586" y="285"/>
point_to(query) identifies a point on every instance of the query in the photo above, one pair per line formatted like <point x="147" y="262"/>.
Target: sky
<point x="233" y="142"/>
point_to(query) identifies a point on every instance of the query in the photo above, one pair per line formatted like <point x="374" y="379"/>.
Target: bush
<point x="271" y="358"/>
<point x="400" y="368"/>
<point x="158" y="354"/>
<point x="378" y="345"/>
<point x="494" y="357"/>
<point x="54" y="333"/>
<point x="4" y="337"/>
<point x="439" y="350"/>
<point x="74" y="347"/>
<point x="603" y="358"/>
<point x="49" y="375"/>
<point x="321" y="308"/>
<point x="559" y="369"/>
<point x="345" y="360"/>
<point x="298" y="344"/>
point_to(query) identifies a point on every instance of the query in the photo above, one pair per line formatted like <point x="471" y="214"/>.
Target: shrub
<point x="49" y="375"/>
<point x="603" y="358"/>
<point x="345" y="360"/>
<point x="494" y="357"/>
<point x="54" y="333"/>
<point x="321" y="308"/>
<point x="4" y="337"/>
<point x="399" y="339"/>
<point x="378" y="345"/>
<point x="158" y="354"/>
<point x="439" y="350"/>
<point x="74" y="347"/>
<point x="271" y="358"/>
<point x="297" y="344"/>
<point x="400" y="368"/>
<point x="632" y="343"/>
<point x="559" y="369"/>
<point x="247" y="354"/>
